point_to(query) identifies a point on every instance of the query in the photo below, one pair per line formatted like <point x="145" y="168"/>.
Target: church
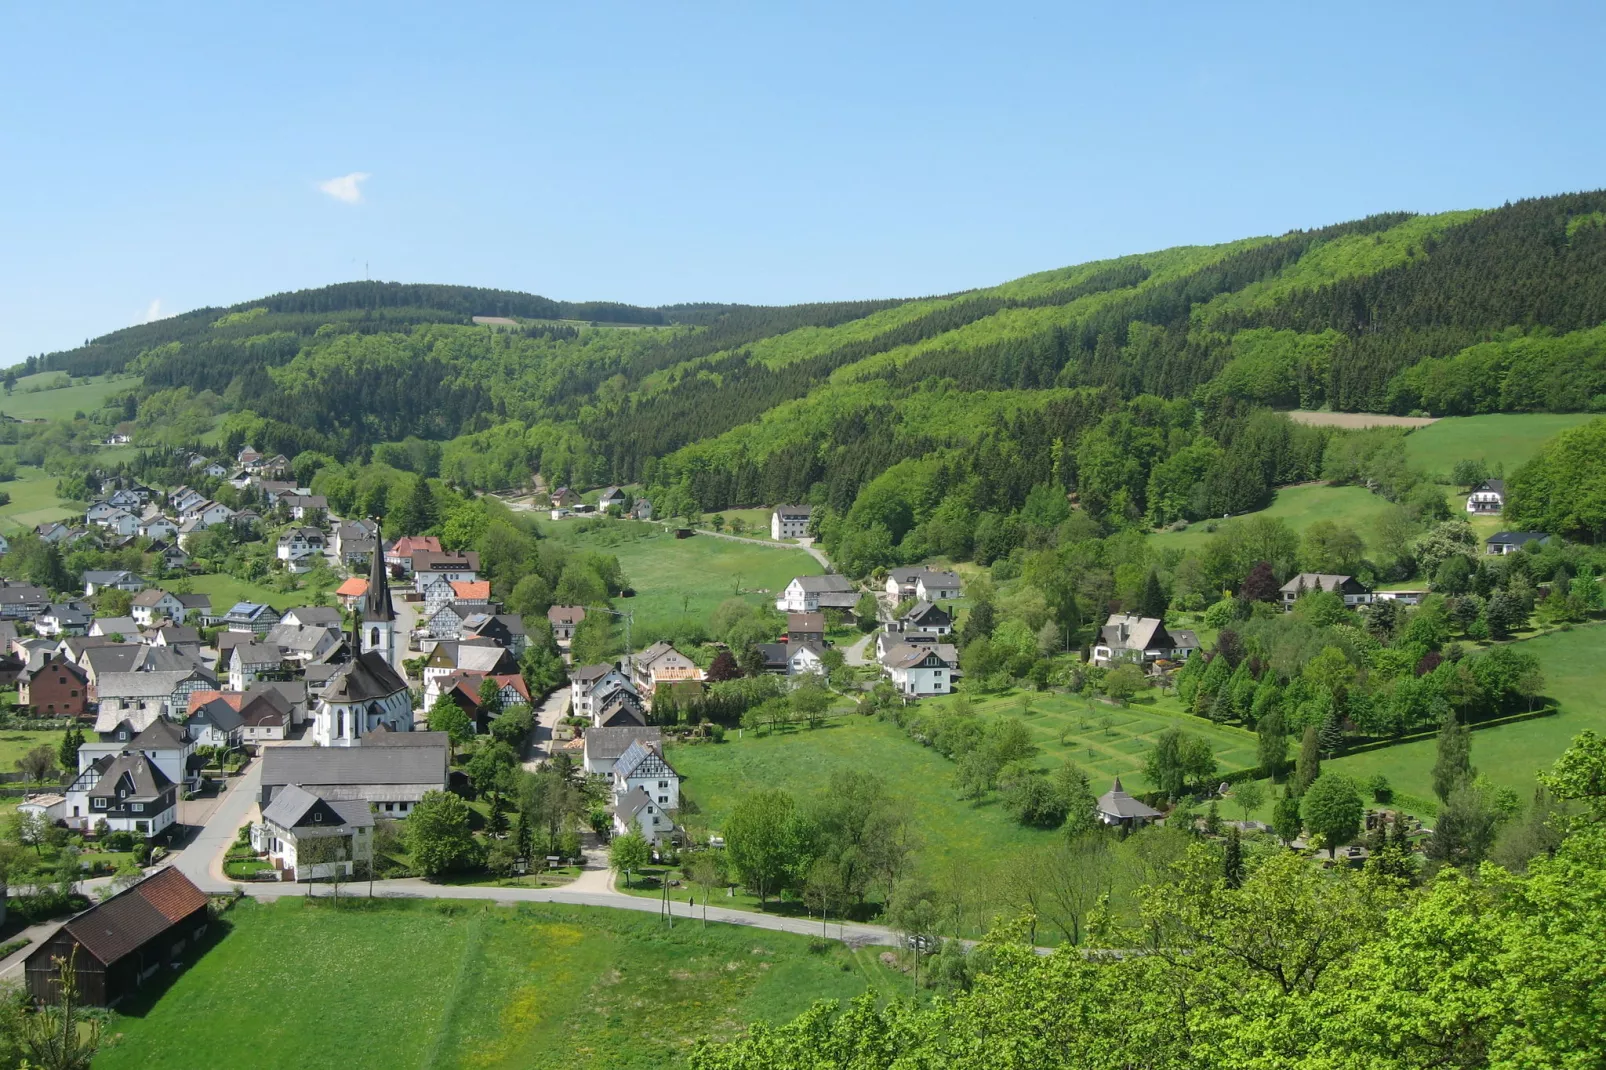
<point x="367" y="691"/>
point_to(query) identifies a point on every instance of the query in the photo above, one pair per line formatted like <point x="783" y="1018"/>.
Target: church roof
<point x="376" y="600"/>
<point x="364" y="678"/>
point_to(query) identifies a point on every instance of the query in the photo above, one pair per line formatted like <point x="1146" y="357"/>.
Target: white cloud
<point x="154" y="311"/>
<point x="347" y="188"/>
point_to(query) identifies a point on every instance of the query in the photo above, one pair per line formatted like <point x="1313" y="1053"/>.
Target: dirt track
<point x="1358" y="419"/>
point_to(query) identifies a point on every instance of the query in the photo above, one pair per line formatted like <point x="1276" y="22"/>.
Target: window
<point x="663" y="800"/>
<point x="317" y="816"/>
<point x="138" y="808"/>
<point x="98" y="804"/>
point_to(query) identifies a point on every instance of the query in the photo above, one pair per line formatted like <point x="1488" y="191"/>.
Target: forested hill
<point x="1134" y="383"/>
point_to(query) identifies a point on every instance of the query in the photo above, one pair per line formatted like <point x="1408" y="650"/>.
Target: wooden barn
<point x="121" y="942"/>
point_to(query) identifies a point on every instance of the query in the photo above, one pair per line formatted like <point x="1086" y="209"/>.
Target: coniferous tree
<point x="418" y="512"/>
<point x="1152" y="602"/>
<point x="1309" y="763"/>
<point x="1453" y="766"/>
<point x="1232" y="862"/>
<point x="1331" y="735"/>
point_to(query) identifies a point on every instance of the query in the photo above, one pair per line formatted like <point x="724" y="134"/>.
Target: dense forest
<point x="1142" y="386"/>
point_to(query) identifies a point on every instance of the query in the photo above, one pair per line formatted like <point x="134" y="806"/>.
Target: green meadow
<point x="1301" y="506"/>
<point x="1506" y="439"/>
<point x="33" y="399"/>
<point x="438" y="985"/>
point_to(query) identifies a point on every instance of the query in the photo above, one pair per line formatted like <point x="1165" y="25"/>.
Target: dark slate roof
<point x="354" y="765"/>
<point x="127" y="921"/>
<point x="220" y="713"/>
<point x="1517" y="537"/>
<point x="376" y="600"/>
<point x="291" y="807"/>
<point x="145" y="779"/>
<point x="640" y="759"/>
<point x="831" y="582"/>
<point x="606" y="744"/>
<point x="631" y="803"/>
<point x="364" y="678"/>
<point x="160" y="734"/>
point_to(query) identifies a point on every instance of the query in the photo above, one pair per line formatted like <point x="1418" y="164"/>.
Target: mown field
<point x="29" y="402"/>
<point x="33" y="501"/>
<point x="1300" y="506"/>
<point x="1507" y="439"/>
<point x="439" y="985"/>
<point x="1574" y="666"/>
<point x="1104" y="740"/>
<point x="226" y="590"/>
<point x="679" y="579"/>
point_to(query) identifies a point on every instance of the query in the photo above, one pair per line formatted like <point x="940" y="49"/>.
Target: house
<point x="928" y="585"/>
<point x="96" y="580"/>
<point x="363" y="694"/>
<point x="57" y="688"/>
<point x="351" y="592"/>
<point x="389" y="771"/>
<point x="603" y="746"/>
<point x="1116" y="807"/>
<point x="52" y="533"/>
<point x="298" y="545"/>
<point x="307" y="837"/>
<point x="918" y="670"/>
<point x="400" y="555"/>
<point x="124" y="792"/>
<point x="304" y="506"/>
<point x="586" y="681"/>
<point x="774" y="655"/>
<point x="63" y="618"/>
<point x="642" y="767"/>
<point x="174" y="557"/>
<point x="300" y="644"/>
<point x="614" y="706"/>
<point x="105" y="627"/>
<point x="435" y="566"/>
<point x="21" y="601"/>
<point x="636" y="812"/>
<point x="119" y="522"/>
<point x="207" y="513"/>
<point x="1509" y="542"/>
<point x="250" y="661"/>
<point x="1487" y="498"/>
<point x="564" y="498"/>
<point x="158" y="527"/>
<point x="810" y="594"/>
<point x="355" y="540"/>
<point x="251" y="617"/>
<point x="790" y="522"/>
<point x="451" y="656"/>
<point x="142" y="697"/>
<point x="445" y="621"/>
<point x="612" y="498"/>
<point x="927" y="618"/>
<point x="805" y="628"/>
<point x="163" y="742"/>
<point x="471" y="592"/>
<point x="267" y="714"/>
<point x="503" y="629"/>
<point x="1143" y="640"/>
<point x="154" y="604"/>
<point x="804" y="658"/>
<point x="564" y="620"/>
<point x="642" y="510"/>
<point x="122" y="941"/>
<point x="662" y="663"/>
<point x="1353" y="591"/>
<point x="214" y="720"/>
<point x="326" y="617"/>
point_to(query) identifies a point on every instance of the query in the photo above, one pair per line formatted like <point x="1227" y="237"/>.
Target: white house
<point x="804" y="658"/>
<point x="643" y="766"/>
<point x="302" y="506"/>
<point x="1354" y="592"/>
<point x="251" y="617"/>
<point x="153" y="604"/>
<point x="250" y="661"/>
<point x="661" y="663"/>
<point x="920" y="670"/>
<point x="308" y="837"/>
<point x="142" y="697"/>
<point x="298" y="546"/>
<point x="124" y="793"/>
<point x="928" y="585"/>
<point x="611" y="498"/>
<point x="810" y="594"/>
<point x="636" y="812"/>
<point x="388" y="771"/>
<point x="603" y="746"/>
<point x="587" y="681"/>
<point x="1510" y="542"/>
<point x="1487" y="498"/>
<point x="790" y="522"/>
<point x="96" y="580"/>
<point x="163" y="742"/>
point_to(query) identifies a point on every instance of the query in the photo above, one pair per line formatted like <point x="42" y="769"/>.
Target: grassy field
<point x="60" y="404"/>
<point x="14" y="743"/>
<point x="33" y="501"/>
<point x="1507" y="439"/>
<point x="677" y="579"/>
<point x="981" y="834"/>
<point x="1574" y="666"/>
<point x="226" y="590"/>
<point x="1301" y="507"/>
<point x="438" y="985"/>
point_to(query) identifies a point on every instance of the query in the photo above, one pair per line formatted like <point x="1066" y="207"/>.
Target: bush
<point x="1220" y="614"/>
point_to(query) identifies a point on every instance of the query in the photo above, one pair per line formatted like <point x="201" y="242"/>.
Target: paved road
<point x="538" y="747"/>
<point x="201" y="860"/>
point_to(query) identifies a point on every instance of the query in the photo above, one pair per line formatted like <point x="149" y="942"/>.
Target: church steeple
<point x="376" y="602"/>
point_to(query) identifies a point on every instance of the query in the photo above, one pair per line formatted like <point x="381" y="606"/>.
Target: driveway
<point x="538" y="747"/>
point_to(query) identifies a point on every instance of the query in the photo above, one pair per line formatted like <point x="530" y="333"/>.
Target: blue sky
<point x="164" y="157"/>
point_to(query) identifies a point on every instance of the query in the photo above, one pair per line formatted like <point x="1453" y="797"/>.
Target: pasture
<point x="33" y="501"/>
<point x="1351" y="421"/>
<point x="226" y="590"/>
<point x="1574" y="667"/>
<point x="32" y="400"/>
<point x="679" y="580"/>
<point x="1301" y="506"/>
<point x="439" y="984"/>
<point x="1506" y="439"/>
<point x="1106" y="741"/>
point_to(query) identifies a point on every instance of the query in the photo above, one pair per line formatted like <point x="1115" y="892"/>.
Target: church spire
<point x="376" y="602"/>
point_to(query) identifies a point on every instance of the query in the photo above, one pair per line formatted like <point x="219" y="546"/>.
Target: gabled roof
<point x="805" y="622"/>
<point x="924" y="612"/>
<point x="294" y="806"/>
<point x="353" y="587"/>
<point x="1516" y="537"/>
<point x="631" y="803"/>
<point x="905" y="656"/>
<point x="641" y="759"/>
<point x="1317" y="581"/>
<point x="366" y="764"/>
<point x="566" y="614"/>
<point x="160" y="734"/>
<point x="1128" y="631"/>
<point x="256" y="654"/>
<point x="145" y="780"/>
<point x="587" y="673"/>
<point x="121" y="925"/>
<point x="472" y="590"/>
<point x="831" y="582"/>
<point x="216" y="709"/>
<point x="606" y="744"/>
<point x="795" y="512"/>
